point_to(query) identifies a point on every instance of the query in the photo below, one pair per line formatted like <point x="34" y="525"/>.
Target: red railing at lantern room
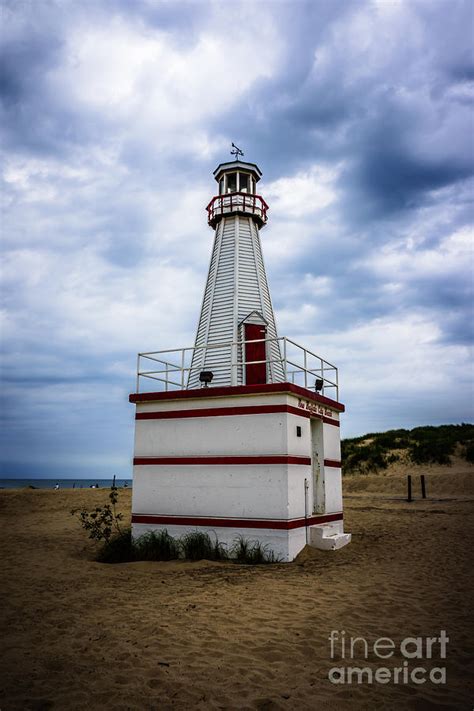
<point x="222" y="205"/>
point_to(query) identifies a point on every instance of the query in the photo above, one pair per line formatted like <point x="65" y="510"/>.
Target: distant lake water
<point x="63" y="483"/>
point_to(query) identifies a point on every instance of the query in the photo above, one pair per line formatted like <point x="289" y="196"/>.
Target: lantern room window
<point x="243" y="183"/>
<point x="237" y="182"/>
<point x="232" y="182"/>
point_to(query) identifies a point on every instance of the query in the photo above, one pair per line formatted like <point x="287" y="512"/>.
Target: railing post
<point x="305" y="368"/>
<point x="182" y="369"/>
<point x="322" y="375"/>
<point x="284" y="359"/>
<point x="138" y="373"/>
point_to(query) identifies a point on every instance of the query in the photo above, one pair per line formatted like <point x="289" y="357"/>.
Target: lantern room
<point x="237" y="193"/>
<point x="237" y="177"/>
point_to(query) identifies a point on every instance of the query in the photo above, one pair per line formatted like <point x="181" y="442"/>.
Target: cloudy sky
<point x="114" y="115"/>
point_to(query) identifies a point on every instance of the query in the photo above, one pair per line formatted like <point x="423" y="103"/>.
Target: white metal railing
<point x="175" y="368"/>
<point x="230" y="203"/>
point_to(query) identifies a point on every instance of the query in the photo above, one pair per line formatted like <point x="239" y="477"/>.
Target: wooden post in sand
<point x="409" y="488"/>
<point x="113" y="483"/>
<point x="423" y="485"/>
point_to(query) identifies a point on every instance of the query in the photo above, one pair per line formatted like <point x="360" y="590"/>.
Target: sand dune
<point x="455" y="481"/>
<point x="178" y="635"/>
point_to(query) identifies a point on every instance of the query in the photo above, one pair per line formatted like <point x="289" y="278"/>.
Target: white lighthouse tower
<point x="237" y="307"/>
<point x="239" y="435"/>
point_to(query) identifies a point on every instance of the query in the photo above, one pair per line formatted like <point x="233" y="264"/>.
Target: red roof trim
<point x="225" y="391"/>
<point x="236" y="522"/>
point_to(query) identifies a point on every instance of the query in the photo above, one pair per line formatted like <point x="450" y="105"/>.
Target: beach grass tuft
<point x="252" y="552"/>
<point x="197" y="545"/>
<point x="156" y="545"/>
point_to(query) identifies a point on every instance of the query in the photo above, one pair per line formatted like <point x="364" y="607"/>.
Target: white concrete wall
<point x="333" y="489"/>
<point x="332" y="442"/>
<point x="297" y="540"/>
<point x="296" y="491"/>
<point x="318" y="478"/>
<point x="243" y="435"/>
<point x="247" y="491"/>
<point x="211" y="401"/>
<point x="298" y="446"/>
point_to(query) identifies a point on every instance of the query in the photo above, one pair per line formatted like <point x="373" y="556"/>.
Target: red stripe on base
<point x="221" y="412"/>
<point x="332" y="463"/>
<point x="233" y="411"/>
<point x="328" y="421"/>
<point x="276" y="459"/>
<point x="236" y="522"/>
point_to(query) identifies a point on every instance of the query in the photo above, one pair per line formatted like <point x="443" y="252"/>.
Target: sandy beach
<point x="78" y="634"/>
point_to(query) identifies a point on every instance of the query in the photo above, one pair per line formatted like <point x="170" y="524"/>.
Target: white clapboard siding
<point x="236" y="287"/>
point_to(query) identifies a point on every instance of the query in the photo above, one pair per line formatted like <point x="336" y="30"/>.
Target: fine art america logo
<point x="412" y="649"/>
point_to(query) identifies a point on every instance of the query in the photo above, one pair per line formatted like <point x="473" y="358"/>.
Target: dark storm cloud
<point x="388" y="174"/>
<point x="36" y="120"/>
<point x="28" y="122"/>
<point x="324" y="110"/>
<point x="184" y="25"/>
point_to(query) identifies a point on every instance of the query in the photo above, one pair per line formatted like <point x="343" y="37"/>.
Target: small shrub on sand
<point x="103" y="522"/>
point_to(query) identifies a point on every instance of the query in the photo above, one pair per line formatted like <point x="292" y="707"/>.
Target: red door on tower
<point x="255" y="374"/>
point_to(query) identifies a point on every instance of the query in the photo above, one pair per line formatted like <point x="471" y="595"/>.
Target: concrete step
<point x="327" y="538"/>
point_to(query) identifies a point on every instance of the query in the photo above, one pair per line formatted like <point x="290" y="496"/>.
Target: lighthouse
<point x="238" y="435"/>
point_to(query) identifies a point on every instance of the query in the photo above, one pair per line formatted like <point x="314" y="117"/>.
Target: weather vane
<point x="236" y="152"/>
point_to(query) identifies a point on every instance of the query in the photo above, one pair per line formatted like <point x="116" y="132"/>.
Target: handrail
<point x="221" y="205"/>
<point x="289" y="369"/>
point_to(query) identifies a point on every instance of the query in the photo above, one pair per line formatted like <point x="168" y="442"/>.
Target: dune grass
<point x="252" y="552"/>
<point x="196" y="545"/>
<point x="156" y="545"/>
<point x="375" y="451"/>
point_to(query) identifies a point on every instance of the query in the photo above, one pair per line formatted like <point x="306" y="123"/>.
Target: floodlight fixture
<point x="205" y="377"/>
<point x="318" y="385"/>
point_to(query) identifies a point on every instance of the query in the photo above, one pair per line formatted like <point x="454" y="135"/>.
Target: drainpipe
<point x="306" y="508"/>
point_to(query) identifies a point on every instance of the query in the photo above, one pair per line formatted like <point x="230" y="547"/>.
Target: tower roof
<point x="238" y="165"/>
